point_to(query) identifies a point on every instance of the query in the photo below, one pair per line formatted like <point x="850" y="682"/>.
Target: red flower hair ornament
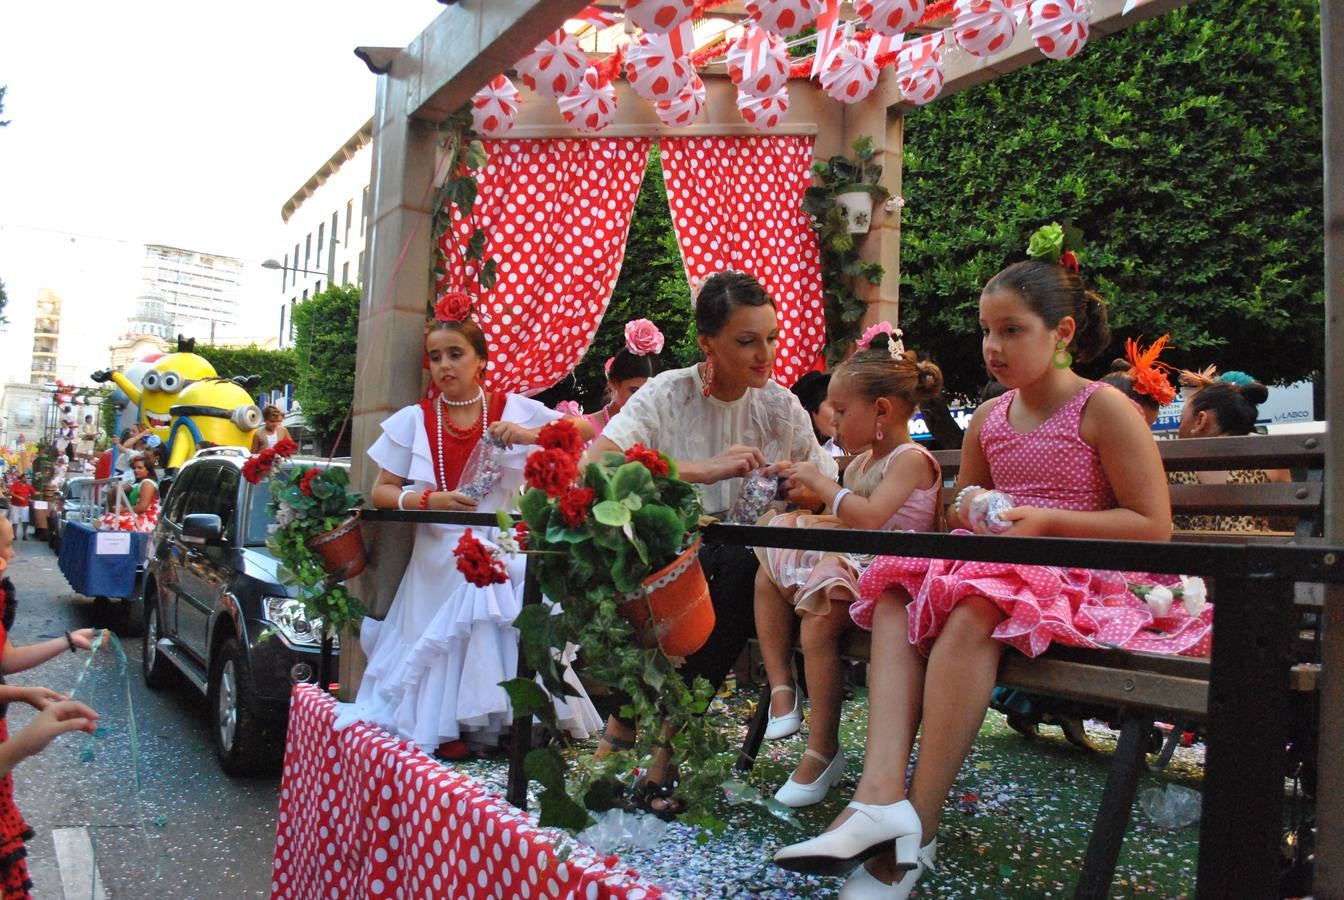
<point x="453" y="306"/>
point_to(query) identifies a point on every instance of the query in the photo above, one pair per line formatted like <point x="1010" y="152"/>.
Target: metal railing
<point x="1249" y="687"/>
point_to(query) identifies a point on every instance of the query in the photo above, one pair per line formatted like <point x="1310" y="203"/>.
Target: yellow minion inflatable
<point x="160" y="387"/>
<point x="212" y="412"/>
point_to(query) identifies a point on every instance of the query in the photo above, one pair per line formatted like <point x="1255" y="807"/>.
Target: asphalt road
<point x="183" y="829"/>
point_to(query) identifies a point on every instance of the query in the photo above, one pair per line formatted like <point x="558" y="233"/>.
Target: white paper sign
<point x="112" y="543"/>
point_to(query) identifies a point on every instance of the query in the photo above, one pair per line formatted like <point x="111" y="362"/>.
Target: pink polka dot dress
<point x="1051" y="467"/>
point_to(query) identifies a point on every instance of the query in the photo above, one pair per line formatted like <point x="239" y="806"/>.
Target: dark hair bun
<point x="928" y="381"/>
<point x="880" y="341"/>
<point x="1120" y="365"/>
<point x="1254" y="392"/>
<point x="1094" y="331"/>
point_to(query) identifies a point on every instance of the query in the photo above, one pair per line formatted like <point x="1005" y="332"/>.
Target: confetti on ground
<point x="1016" y="825"/>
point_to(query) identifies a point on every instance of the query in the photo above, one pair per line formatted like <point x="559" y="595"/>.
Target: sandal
<point x="658" y="798"/>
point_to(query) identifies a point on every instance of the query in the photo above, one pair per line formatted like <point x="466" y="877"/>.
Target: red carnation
<point x="480" y="567"/>
<point x="649" y="459"/>
<point x="574" y="506"/>
<point x="306" y="481"/>
<point x="285" y="447"/>
<point x="551" y="471"/>
<point x="561" y="435"/>
<point x="454" y="306"/>
<point x="520" y="534"/>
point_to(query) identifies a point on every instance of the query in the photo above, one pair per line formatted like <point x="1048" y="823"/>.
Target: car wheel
<point x="158" y="671"/>
<point x="245" y="739"/>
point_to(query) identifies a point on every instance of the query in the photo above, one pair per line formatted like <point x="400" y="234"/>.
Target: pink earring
<point x="709" y="378"/>
<point x="877" y="437"/>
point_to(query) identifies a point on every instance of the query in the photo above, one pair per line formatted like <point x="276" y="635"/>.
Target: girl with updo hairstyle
<point x="1225" y="406"/>
<point x="436" y="660"/>
<point x="1065" y="457"/>
<point x="630" y="369"/>
<point x="894" y="485"/>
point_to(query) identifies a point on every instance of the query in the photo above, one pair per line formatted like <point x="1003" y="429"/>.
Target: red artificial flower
<point x="649" y="459"/>
<point x="454" y="306"/>
<point x="250" y="473"/>
<point x="285" y="447"/>
<point x="1069" y="260"/>
<point x="480" y="567"/>
<point x="561" y="435"/>
<point x="575" y="505"/>
<point x="551" y="471"/>
<point x="258" y="466"/>
<point x="306" y="481"/>
<point x="520" y="534"/>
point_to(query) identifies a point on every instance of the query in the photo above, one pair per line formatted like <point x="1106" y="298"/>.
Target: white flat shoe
<point x="864" y="834"/>
<point x="800" y="795"/>
<point x="864" y="885"/>
<point x="787" y="725"/>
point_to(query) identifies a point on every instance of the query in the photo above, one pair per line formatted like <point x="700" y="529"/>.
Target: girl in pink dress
<point x="894" y="485"/>
<point x="627" y="371"/>
<point x="1078" y="461"/>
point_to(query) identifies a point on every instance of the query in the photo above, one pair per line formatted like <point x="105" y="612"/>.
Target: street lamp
<point x="277" y="264"/>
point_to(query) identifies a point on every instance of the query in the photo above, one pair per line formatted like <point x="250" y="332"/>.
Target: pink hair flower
<point x="569" y="408"/>
<point x="643" y="338"/>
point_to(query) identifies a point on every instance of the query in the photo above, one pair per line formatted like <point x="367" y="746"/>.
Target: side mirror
<point x="202" y="529"/>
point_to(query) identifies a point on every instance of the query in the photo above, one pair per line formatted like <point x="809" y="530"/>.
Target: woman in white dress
<point x="436" y="661"/>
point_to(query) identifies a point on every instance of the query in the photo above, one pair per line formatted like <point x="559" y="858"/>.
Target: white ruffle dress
<point x="436" y="661"/>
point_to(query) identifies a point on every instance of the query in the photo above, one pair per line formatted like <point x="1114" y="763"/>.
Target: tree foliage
<point x="652" y="285"/>
<point x="277" y="368"/>
<point x="1187" y="148"/>
<point x="326" y="329"/>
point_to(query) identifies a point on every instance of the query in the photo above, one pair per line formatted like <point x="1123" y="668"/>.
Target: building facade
<point x="199" y="291"/>
<point x="325" y="223"/>
<point x="46" y="336"/>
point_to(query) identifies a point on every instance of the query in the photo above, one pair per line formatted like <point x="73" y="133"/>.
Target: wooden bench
<point x="1137" y="689"/>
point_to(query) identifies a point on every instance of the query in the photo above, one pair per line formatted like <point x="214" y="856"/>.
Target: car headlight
<point x="288" y="617"/>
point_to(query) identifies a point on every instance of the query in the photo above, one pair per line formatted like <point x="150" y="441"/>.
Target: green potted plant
<point x="316" y="537"/>
<point x="613" y="545"/>
<point x="836" y="221"/>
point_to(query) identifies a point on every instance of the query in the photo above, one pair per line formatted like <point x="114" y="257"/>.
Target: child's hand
<point x="55" y="720"/>
<point x="84" y="638"/>
<point x="1028" y="521"/>
<point x="40" y="698"/>
<point x="452" y="501"/>
<point x="804" y="475"/>
<point x="510" y="433"/>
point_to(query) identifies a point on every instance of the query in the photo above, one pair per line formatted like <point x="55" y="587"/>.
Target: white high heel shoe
<point x="863" y="834"/>
<point x="787" y="725"/>
<point x="800" y="795"/>
<point x="864" y="885"/>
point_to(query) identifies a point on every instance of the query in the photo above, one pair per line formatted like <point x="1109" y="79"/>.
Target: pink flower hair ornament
<point x="642" y="338"/>
<point x="895" y="345"/>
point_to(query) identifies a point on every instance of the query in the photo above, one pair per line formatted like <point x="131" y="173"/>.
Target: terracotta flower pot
<point x="674" y="610"/>
<point x="341" y="549"/>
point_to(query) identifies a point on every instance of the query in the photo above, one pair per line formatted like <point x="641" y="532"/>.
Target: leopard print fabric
<point x="1223" y="522"/>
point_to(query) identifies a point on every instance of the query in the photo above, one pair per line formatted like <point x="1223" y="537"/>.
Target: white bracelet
<point x="835" y="501"/>
<point x="402" y="497"/>
<point x="961" y="495"/>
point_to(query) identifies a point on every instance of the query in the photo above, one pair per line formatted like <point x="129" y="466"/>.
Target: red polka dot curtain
<point x="556" y="213"/>
<point x="737" y="204"/>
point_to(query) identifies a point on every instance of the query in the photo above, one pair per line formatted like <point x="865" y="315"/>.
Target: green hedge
<point x="326" y="328"/>
<point x="277" y="368"/>
<point x="1187" y="148"/>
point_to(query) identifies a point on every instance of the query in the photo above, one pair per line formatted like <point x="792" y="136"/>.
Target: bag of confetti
<point x="483" y="468"/>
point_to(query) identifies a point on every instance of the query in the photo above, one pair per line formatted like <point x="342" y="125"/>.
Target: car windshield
<point x="258" y="516"/>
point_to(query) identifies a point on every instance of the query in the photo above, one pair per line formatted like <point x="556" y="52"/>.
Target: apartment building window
<point x="360" y="272"/>
<point x="284" y="276"/>
<point x="345" y="272"/>
<point x="364" y="212"/>
<point x="321" y="230"/>
<point x="308" y="251"/>
<point x="295" y="279"/>
<point x="281" y="332"/>
<point x="349" y="216"/>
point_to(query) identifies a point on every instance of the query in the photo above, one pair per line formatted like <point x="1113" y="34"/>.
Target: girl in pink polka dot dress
<point x="1078" y="461"/>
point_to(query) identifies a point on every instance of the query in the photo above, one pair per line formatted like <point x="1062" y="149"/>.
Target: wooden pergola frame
<point x="473" y="40"/>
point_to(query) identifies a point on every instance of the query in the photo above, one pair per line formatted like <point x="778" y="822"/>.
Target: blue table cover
<point x="95" y="574"/>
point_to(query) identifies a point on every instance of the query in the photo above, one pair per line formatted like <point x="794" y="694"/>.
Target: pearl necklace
<point x="438" y="416"/>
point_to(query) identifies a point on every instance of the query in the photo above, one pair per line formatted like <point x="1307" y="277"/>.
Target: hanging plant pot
<point x="858" y="207"/>
<point x="341" y="549"/>
<point x="673" y="610"/>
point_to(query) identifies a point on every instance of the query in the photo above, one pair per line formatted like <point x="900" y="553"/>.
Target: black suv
<point x="216" y="611"/>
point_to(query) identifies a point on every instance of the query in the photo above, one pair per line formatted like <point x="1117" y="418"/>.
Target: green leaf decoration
<point x="526" y="697"/>
<point x="634" y="478"/>
<point x="1047" y="242"/>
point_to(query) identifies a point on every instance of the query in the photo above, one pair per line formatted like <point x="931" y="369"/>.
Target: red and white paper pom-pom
<point x="983" y="27"/>
<point x="763" y="113"/>
<point x="849" y="76"/>
<point x="784" y="17"/>
<point x="555" y="66"/>
<point x="919" y="72"/>
<point x="890" y="17"/>
<point x="592" y="105"/>
<point x="1058" y="27"/>
<point x="758" y="63"/>
<point x="494" y="107"/>
<point x="658" y="16"/>
<point x="654" y="70"/>
<point x="684" y="108"/>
